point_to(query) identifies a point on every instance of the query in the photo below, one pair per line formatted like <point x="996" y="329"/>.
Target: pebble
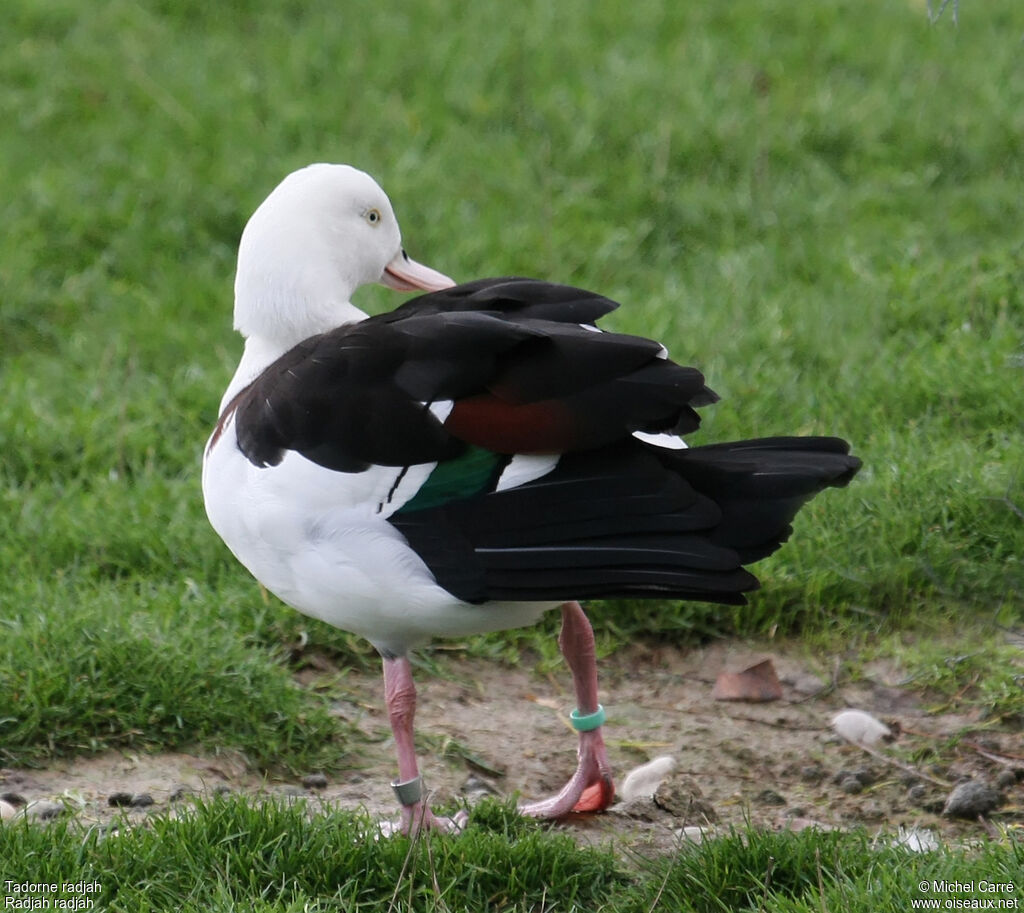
<point x="1007" y="779"/>
<point x="863" y="775"/>
<point x="681" y="797"/>
<point x="641" y="808"/>
<point x="851" y="785"/>
<point x="917" y="793"/>
<point x="971" y="799"/>
<point x="314" y="781"/>
<point x="860" y="727"/>
<point x="769" y="797"/>
<point x="871" y="811"/>
<point x="812" y="773"/>
<point x="129" y="800"/>
<point x="7" y="810"/>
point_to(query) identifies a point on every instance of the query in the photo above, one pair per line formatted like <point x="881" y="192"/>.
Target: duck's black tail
<point x="633" y="521"/>
<point x="759" y="485"/>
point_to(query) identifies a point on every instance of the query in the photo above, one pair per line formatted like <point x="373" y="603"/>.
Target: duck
<point x="480" y="455"/>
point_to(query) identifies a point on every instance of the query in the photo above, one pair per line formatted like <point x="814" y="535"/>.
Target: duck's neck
<point x="260" y="352"/>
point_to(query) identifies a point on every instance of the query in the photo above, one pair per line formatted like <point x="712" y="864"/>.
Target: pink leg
<point x="400" y="697"/>
<point x="590" y="788"/>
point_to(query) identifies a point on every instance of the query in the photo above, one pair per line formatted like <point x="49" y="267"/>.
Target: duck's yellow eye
<point x="373" y="216"/>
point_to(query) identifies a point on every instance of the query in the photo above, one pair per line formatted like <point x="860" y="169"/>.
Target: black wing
<point x="510" y="355"/>
<point x="631" y="520"/>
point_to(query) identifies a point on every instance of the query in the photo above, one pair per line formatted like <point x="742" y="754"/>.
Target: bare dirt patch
<point x="488" y="728"/>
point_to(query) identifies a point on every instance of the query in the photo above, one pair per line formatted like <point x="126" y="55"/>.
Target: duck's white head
<point x="324" y="231"/>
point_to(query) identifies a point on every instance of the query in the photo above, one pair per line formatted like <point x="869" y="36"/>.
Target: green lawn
<point x="276" y="859"/>
<point x="820" y="205"/>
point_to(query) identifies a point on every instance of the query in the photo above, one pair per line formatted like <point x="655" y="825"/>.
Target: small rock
<point x="769" y="797"/>
<point x="863" y="775"/>
<point x="971" y="799"/>
<point x="851" y="785"/>
<point x="180" y="791"/>
<point x="43" y="810"/>
<point x="859" y="727"/>
<point x="7" y="810"/>
<point x="812" y="773"/>
<point x="917" y="793"/>
<point x="1007" y="779"/>
<point x="130" y="800"/>
<point x="314" y="781"/>
<point x="681" y="797"/>
<point x="642" y="808"/>
<point x="643" y="781"/>
<point x="15" y="799"/>
<point x="742" y="753"/>
<point x="871" y="811"/>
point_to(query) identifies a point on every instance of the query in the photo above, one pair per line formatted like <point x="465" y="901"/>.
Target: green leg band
<point x="585" y="722"/>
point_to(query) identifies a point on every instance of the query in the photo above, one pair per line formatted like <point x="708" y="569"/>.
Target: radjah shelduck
<point x="470" y="460"/>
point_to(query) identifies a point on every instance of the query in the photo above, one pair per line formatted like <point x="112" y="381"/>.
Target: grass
<point x="817" y="204"/>
<point x="985" y="676"/>
<point x="103" y="677"/>
<point x="226" y="855"/>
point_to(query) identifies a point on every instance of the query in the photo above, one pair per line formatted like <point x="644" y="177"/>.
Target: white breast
<point x="320" y="541"/>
